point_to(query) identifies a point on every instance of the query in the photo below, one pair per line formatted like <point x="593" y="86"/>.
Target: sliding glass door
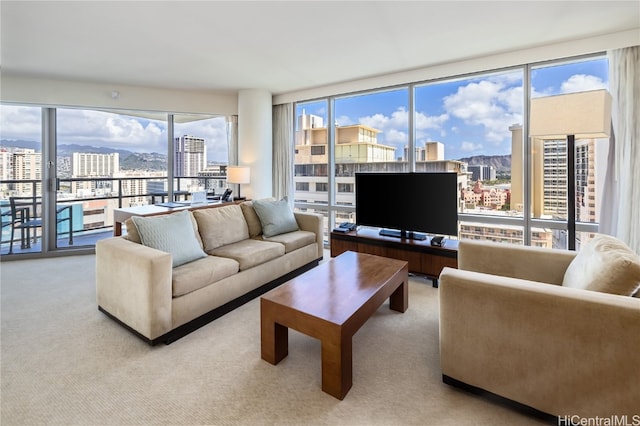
<point x="21" y="179"/>
<point x="66" y="170"/>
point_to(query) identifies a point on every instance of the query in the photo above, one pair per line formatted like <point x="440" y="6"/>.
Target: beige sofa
<point x="138" y="286"/>
<point x="509" y="326"/>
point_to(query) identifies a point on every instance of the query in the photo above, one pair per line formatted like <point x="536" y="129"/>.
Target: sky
<point x="470" y="116"/>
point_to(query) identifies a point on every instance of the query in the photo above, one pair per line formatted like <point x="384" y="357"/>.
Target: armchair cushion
<point x="173" y="234"/>
<point x="604" y="264"/>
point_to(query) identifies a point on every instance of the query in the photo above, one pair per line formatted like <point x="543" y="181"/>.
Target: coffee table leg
<point x="399" y="300"/>
<point x="274" y="338"/>
<point x="337" y="374"/>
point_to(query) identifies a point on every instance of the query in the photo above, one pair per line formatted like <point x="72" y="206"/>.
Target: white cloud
<point x="435" y="122"/>
<point x="470" y="146"/>
<point x="582" y="83"/>
<point x="490" y="104"/>
<point x="118" y="131"/>
<point x="20" y="123"/>
<point x="377" y="121"/>
<point x="343" y="120"/>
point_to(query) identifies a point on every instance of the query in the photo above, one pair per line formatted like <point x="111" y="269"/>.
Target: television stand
<point x="402" y="234"/>
<point x="423" y="258"/>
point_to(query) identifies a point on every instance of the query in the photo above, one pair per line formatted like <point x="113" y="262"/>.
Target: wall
<point x="255" y="140"/>
<point x="63" y="93"/>
<point x="472" y="65"/>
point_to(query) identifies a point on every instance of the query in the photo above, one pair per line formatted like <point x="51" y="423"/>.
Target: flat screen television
<point x="406" y="204"/>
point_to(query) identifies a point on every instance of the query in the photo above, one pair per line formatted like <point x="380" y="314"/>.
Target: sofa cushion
<point x="293" y="240"/>
<point x="604" y="264"/>
<point x="201" y="273"/>
<point x="172" y="233"/>
<point x="276" y="217"/>
<point x="249" y="253"/>
<point x="220" y="226"/>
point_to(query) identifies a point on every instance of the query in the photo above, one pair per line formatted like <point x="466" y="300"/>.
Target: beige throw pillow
<point x="220" y="226"/>
<point x="604" y="264"/>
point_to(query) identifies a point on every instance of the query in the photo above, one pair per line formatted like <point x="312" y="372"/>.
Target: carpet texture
<point x="63" y="362"/>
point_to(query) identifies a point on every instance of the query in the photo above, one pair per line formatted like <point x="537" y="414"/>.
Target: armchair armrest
<point x="312" y="222"/>
<point x="557" y="349"/>
<point x="133" y="284"/>
<point x="508" y="260"/>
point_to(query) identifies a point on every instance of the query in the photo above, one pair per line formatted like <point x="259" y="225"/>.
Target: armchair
<point x="509" y="326"/>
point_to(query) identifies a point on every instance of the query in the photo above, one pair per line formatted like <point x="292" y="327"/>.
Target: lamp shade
<point x="238" y="174"/>
<point x="586" y="115"/>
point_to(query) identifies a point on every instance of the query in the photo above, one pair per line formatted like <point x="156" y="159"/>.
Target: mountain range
<point x="128" y="160"/>
<point x="156" y="161"/>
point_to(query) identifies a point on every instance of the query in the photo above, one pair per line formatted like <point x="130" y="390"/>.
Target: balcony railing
<point x="93" y="201"/>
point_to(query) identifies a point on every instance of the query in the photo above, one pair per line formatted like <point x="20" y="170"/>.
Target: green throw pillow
<point x="173" y="234"/>
<point x="275" y="217"/>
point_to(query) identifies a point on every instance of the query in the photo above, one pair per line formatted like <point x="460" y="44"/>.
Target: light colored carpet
<point x="64" y="362"/>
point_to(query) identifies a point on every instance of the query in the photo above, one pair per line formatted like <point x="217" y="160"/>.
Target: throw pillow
<point x="276" y="217"/>
<point x="171" y="233"/>
<point x="604" y="264"/>
<point x="219" y="226"/>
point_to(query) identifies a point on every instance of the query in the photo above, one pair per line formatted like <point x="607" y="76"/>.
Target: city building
<point x="190" y="155"/>
<point x="89" y="164"/>
<point x="482" y="173"/>
<point x="21" y="164"/>
<point x="357" y="151"/>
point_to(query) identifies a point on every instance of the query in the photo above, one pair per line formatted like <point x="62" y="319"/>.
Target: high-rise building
<point x="190" y="156"/>
<point x="481" y="172"/>
<point x="431" y="151"/>
<point x="21" y="164"/>
<point x="90" y="164"/>
<point x="356" y="150"/>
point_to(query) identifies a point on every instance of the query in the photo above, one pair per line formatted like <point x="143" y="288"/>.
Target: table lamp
<point x="238" y="175"/>
<point x="582" y="115"/>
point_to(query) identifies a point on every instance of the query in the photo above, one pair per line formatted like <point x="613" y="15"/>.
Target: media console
<point x="423" y="258"/>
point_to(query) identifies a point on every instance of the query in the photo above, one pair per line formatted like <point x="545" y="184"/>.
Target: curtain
<point x="283" y="145"/>
<point x="620" y="214"/>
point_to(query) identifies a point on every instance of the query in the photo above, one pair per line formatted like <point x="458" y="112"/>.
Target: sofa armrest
<point x="557" y="349"/>
<point x="133" y="284"/>
<point x="509" y="260"/>
<point x="312" y="222"/>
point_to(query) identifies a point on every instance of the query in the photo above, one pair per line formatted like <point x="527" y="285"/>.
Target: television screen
<point x="409" y="202"/>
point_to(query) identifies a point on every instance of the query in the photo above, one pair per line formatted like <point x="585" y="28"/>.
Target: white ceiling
<point x="280" y="46"/>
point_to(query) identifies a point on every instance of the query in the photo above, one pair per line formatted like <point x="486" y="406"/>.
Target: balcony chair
<point x="26" y="214"/>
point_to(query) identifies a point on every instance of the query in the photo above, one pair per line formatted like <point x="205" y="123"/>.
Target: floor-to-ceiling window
<point x="550" y="172"/>
<point x="201" y="153"/>
<point x="311" y="158"/>
<point x="473" y="125"/>
<point x="371" y="135"/>
<point x="20" y="175"/>
<point x="100" y="161"/>
<point x="512" y="188"/>
<point x="107" y="160"/>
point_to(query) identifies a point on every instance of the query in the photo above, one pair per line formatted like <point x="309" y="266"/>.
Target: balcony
<point x="92" y="202"/>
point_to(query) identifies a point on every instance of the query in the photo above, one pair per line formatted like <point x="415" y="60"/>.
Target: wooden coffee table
<point x="331" y="302"/>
